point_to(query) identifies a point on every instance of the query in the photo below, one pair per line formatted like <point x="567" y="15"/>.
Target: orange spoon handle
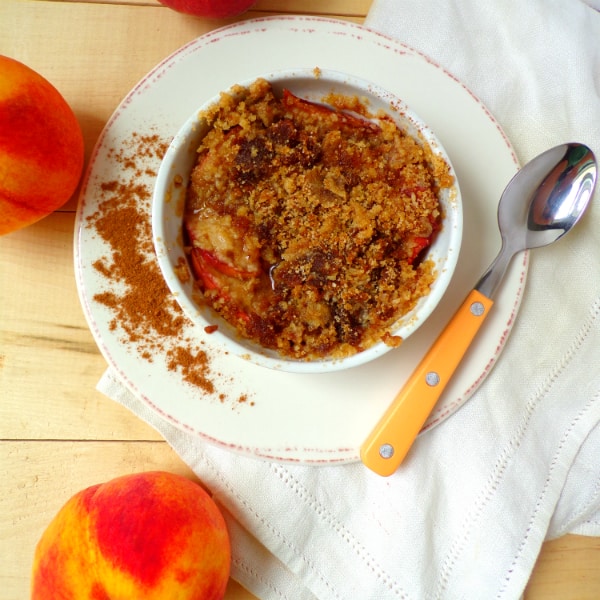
<point x="390" y="441"/>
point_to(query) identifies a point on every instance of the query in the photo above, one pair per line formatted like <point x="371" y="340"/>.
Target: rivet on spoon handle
<point x="392" y="437"/>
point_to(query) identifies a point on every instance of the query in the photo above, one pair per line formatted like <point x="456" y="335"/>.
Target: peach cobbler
<point x="307" y="225"/>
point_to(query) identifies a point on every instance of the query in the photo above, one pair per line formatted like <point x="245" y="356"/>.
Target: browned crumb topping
<point x="307" y="225"/>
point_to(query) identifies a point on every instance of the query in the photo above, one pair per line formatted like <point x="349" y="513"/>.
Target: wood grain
<point x="50" y="363"/>
<point x="57" y="433"/>
<point x="567" y="569"/>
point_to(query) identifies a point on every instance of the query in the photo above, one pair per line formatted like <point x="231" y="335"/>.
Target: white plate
<point x="319" y="418"/>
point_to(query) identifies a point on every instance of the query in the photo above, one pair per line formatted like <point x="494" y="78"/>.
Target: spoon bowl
<point x="540" y="204"/>
<point x="562" y="197"/>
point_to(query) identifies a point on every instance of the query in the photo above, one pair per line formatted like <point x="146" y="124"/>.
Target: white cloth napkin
<point x="466" y="514"/>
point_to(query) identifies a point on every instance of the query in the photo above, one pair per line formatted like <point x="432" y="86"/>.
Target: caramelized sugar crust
<point x="308" y="224"/>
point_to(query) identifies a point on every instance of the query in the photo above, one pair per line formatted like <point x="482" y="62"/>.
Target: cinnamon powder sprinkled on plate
<point x="136" y="292"/>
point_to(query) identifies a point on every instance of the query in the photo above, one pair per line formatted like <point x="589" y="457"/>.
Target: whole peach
<point x="212" y="9"/>
<point x="152" y="535"/>
<point x="41" y="147"/>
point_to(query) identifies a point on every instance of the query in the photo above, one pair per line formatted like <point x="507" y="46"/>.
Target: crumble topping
<point x="307" y="224"/>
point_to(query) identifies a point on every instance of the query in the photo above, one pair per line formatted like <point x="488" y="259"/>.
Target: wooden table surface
<point x="57" y="433"/>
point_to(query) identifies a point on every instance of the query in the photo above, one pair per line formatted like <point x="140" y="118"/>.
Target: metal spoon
<point x="539" y="205"/>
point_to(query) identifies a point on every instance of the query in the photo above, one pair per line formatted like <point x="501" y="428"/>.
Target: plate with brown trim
<point x="170" y="364"/>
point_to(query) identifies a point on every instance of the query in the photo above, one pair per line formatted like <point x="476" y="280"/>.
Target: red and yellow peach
<point x="152" y="535"/>
<point x="41" y="147"/>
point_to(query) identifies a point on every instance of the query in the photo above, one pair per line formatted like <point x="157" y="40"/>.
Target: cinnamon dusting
<point x="136" y="293"/>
